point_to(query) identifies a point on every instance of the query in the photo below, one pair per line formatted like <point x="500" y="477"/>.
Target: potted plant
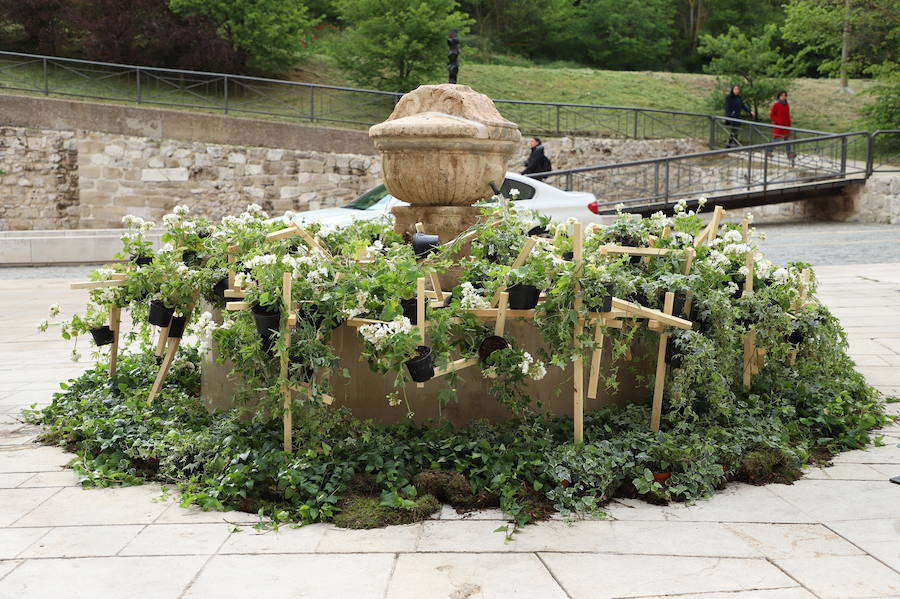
<point x="527" y="281"/>
<point x="136" y="248"/>
<point x="601" y="280"/>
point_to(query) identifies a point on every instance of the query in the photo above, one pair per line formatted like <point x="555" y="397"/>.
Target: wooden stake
<point x="287" y="412"/>
<point x="578" y="395"/>
<point x="660" y="382"/>
<point x="749" y="355"/>
<point x="500" y="324"/>
<point x="115" y="317"/>
<point x="594" y="381"/>
<point x="161" y="343"/>
<point x="420" y="312"/>
<point x="164" y="368"/>
<point x="718" y="215"/>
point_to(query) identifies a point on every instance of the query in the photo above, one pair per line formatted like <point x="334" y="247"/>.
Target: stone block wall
<point x="123" y="174"/>
<point x="38" y="179"/>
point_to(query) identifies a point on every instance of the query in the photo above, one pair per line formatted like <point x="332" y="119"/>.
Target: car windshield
<point x="368" y="199"/>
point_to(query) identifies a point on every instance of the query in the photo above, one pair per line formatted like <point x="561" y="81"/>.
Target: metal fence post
<point x="765" y="170"/>
<point x="666" y="195"/>
<point x="635" y="124"/>
<point x="138" y="81"/>
<point x="844" y="156"/>
<point x="312" y="104"/>
<point x="712" y="132"/>
<point x="46" y="79"/>
<point x="226" y="94"/>
<point x="749" y="168"/>
<point x="655" y="179"/>
<point x="870" y="154"/>
<point x="558" y="107"/>
<point x="568" y="181"/>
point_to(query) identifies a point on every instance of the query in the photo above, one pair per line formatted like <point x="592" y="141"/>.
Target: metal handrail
<point x="227" y="105"/>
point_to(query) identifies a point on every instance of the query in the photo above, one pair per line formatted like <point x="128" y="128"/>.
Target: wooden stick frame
<point x="660" y="380"/>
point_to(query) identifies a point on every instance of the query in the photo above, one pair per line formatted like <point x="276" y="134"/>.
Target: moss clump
<point x="766" y="465"/>
<point x="359" y="511"/>
<point x="453" y="488"/>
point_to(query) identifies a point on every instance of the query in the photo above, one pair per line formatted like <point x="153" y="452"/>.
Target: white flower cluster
<point x="737" y="249"/>
<point x="253" y="214"/>
<point x="261" y="260"/>
<point x="378" y="333"/>
<point x="718" y="260"/>
<point x="376" y="248"/>
<point x="137" y="223"/>
<point x="660" y="220"/>
<point x="733" y="236"/>
<point x="472" y="298"/>
<point x="360" y="308"/>
<point x="531" y="367"/>
<point x="242" y="281"/>
<point x="781" y="276"/>
<point x="205" y="326"/>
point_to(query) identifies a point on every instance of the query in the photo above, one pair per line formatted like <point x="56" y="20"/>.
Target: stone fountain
<point x="441" y="149"/>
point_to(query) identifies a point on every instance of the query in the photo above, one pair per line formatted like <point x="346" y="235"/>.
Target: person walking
<point x="734" y="105"/>
<point x="537" y="161"/>
<point x="780" y="115"/>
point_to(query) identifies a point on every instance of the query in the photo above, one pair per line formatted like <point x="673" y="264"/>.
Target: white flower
<point x="681" y="206"/>
<point x="731" y="287"/>
<point x="748" y="217"/>
<point x="43" y="325"/>
<point x="472" y="299"/>
<point x="261" y="260"/>
<point x="737" y="248"/>
<point x="733" y="236"/>
<point x="377" y="333"/>
<point x="54" y="310"/>
<point x="701" y="202"/>
<point x="620" y="207"/>
<point x="180" y="210"/>
<point x="744" y="271"/>
<point x="393" y="399"/>
<point x="781" y="276"/>
<point x="513" y="193"/>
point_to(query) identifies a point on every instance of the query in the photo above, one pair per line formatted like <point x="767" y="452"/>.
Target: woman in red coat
<point x="780" y="114"/>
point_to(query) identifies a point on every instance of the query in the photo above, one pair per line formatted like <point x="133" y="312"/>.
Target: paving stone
<point x="64" y="478"/>
<point x="15" y="540"/>
<point x="600" y="576"/>
<point x="448" y="512"/>
<point x="647" y="537"/>
<point x="889" y="453"/>
<point x="824" y="500"/>
<point x="10" y="480"/>
<point x="16" y="503"/>
<point x="90" y="578"/>
<point x="843" y="471"/>
<point x="792" y="593"/>
<point x="879" y="538"/>
<point x="175" y="514"/>
<point x="886" y="470"/>
<point x="286" y="539"/>
<point x="82" y="541"/>
<point x="843" y="577"/>
<point x="7" y="566"/>
<point x="178" y="539"/>
<point x="76" y="506"/>
<point x="738" y="502"/>
<point x="782" y="541"/>
<point x="461" y="576"/>
<point x="36" y="458"/>
<point x="321" y="576"/>
<point x="391" y="539"/>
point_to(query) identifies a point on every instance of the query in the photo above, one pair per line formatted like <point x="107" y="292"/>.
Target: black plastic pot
<point x="639" y="298"/>
<point x="176" y="326"/>
<point x="672" y="357"/>
<point x="102" y="335"/>
<point x="159" y="315"/>
<point x="190" y="258"/>
<point x="410" y="309"/>
<point x="421" y="368"/>
<point x="141" y="260"/>
<point x="424" y="244"/>
<point x="493" y="258"/>
<point x="267" y="322"/>
<point x="219" y="289"/>
<point x="603" y="304"/>
<point x="795" y="337"/>
<point x="489" y="346"/>
<point x="568" y="256"/>
<point x="523" y="297"/>
<point x="539" y="231"/>
<point x="678" y="304"/>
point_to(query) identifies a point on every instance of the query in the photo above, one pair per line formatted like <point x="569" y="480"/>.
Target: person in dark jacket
<point x="734" y="104"/>
<point x="537" y="161"/>
<point x="780" y="114"/>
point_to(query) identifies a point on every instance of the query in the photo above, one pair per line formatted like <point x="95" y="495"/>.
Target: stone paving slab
<point x="600" y="576"/>
<point x="843" y="577"/>
<point x="79" y="541"/>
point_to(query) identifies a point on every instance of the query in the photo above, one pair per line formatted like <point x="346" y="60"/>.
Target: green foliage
<point x="884" y="112"/>
<point x="754" y="63"/>
<point x="817" y="26"/>
<point x="396" y="45"/>
<point x="625" y="34"/>
<point x="273" y="33"/>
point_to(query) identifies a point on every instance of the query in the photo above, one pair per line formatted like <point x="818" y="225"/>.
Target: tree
<point x="274" y="33"/>
<point x="41" y="23"/>
<point x="844" y="36"/>
<point x="396" y="45"/>
<point x="756" y="64"/>
<point x="884" y="111"/>
<point x="626" y="34"/>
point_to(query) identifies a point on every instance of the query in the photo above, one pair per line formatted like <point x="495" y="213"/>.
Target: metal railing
<point x="239" y="94"/>
<point x="755" y="168"/>
<point x="883" y="152"/>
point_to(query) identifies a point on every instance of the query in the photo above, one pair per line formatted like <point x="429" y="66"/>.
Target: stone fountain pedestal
<point x="441" y="148"/>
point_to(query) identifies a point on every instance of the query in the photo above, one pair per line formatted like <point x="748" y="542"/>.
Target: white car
<point x="532" y="195"/>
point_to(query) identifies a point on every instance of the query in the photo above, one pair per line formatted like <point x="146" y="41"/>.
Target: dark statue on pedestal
<point x="452" y="56"/>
